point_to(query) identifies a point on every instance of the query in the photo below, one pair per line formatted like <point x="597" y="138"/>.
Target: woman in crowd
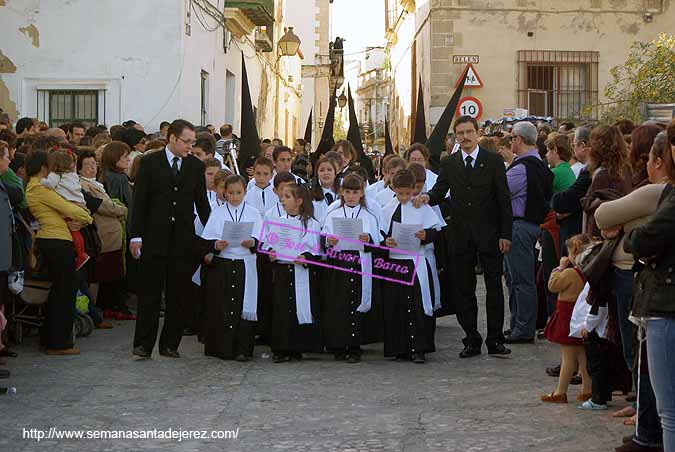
<point x="419" y="153"/>
<point x="611" y="179"/>
<point x="9" y="198"/>
<point x="114" y="167"/>
<point x="654" y="244"/>
<point x="348" y="157"/>
<point x="55" y="217"/>
<point x="625" y="214"/>
<point x="559" y="153"/>
<point x="642" y="139"/>
<point x="109" y="219"/>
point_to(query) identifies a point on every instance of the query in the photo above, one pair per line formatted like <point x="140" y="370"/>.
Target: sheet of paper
<point x="285" y="238"/>
<point x="404" y="235"/>
<point x="349" y="228"/>
<point x="236" y="232"/>
<point x="197" y="277"/>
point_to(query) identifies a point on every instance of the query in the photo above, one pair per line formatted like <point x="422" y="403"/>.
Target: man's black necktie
<point x="174" y="167"/>
<point x="468" y="161"/>
<point x="263" y="197"/>
<point x="329" y="198"/>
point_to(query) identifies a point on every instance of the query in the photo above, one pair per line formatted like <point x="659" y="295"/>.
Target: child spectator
<point x="568" y="282"/>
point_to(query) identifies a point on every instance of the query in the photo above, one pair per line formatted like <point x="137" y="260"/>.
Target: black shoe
<point x="169" y="353"/>
<point x="242" y="358"/>
<point x="189" y="332"/>
<point x="518" y="340"/>
<point x="354" y="358"/>
<point x="4" y="373"/>
<point x="499" y="350"/>
<point x="419" y="358"/>
<point x="8" y="353"/>
<point x="576" y="380"/>
<point x="469" y="351"/>
<point x="141" y="352"/>
<point x="553" y="371"/>
<point x="279" y="358"/>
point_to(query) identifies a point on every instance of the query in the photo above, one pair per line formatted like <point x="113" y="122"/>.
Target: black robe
<point x="226" y="334"/>
<point x="406" y="327"/>
<point x="288" y="336"/>
<point x="340" y="319"/>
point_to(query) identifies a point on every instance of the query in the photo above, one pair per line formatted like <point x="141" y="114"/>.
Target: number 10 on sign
<point x="469" y="106"/>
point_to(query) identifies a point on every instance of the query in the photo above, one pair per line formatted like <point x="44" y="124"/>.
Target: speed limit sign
<point x="469" y="106"/>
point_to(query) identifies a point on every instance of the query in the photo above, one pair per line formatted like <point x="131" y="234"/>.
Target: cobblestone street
<point x="480" y="404"/>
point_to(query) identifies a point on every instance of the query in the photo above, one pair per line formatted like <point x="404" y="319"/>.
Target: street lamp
<point x="288" y="45"/>
<point x="342" y="100"/>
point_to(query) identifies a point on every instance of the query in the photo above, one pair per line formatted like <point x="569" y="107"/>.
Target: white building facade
<point x="150" y="61"/>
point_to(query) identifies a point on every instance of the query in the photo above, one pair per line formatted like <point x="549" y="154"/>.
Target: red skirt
<point x="558" y="326"/>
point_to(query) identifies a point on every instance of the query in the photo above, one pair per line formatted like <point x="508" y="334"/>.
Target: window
<point x="230" y="94"/>
<point x="558" y="83"/>
<point x="66" y="106"/>
<point x="204" y="98"/>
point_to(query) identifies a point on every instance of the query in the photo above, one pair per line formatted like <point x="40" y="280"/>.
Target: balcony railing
<point x="260" y="12"/>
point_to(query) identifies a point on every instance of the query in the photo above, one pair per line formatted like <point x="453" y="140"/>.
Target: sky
<point x="360" y="22"/>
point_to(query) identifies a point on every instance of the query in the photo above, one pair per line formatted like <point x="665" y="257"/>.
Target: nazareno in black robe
<point x="288" y="335"/>
<point x="406" y="327"/>
<point x="226" y="333"/>
<point x="341" y="321"/>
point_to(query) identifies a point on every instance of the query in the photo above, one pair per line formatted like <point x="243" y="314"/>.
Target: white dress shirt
<point x="474" y="156"/>
<point x="170" y="156"/>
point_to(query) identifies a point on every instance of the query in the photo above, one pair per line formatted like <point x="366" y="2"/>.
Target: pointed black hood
<point x="388" y="146"/>
<point x="436" y="142"/>
<point x="327" y="141"/>
<point x="354" y="136"/>
<point x="420" y="130"/>
<point x="354" y="133"/>
<point x="308" y="128"/>
<point x="249" y="147"/>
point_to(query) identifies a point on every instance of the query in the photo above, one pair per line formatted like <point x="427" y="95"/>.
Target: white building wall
<point x="300" y="14"/>
<point x="138" y="55"/>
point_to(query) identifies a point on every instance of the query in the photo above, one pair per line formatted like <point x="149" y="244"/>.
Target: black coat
<point x="569" y="202"/>
<point x="163" y="214"/>
<point x="654" y="243"/>
<point x="480" y="203"/>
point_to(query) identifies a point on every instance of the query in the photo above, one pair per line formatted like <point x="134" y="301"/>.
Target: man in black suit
<point x="169" y="184"/>
<point x="480" y="223"/>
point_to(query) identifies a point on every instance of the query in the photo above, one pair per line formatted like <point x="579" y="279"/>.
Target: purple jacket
<point x="516" y="178"/>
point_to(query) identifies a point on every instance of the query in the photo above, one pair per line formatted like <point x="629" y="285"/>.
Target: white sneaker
<point x="592" y="406"/>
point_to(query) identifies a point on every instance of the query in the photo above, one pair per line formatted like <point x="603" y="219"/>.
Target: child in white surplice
<point x="232" y="279"/>
<point x="295" y="326"/>
<point x="348" y="295"/>
<point x="409" y="322"/>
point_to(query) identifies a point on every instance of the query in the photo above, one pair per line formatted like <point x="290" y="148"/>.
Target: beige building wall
<point x="496" y="30"/>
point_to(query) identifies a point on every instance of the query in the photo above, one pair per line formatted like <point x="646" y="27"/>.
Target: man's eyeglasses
<point x="187" y="142"/>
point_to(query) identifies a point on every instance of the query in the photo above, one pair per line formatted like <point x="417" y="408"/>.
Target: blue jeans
<point x="521" y="261"/>
<point x="648" y="430"/>
<point x="622" y="287"/>
<point x="660" y="350"/>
